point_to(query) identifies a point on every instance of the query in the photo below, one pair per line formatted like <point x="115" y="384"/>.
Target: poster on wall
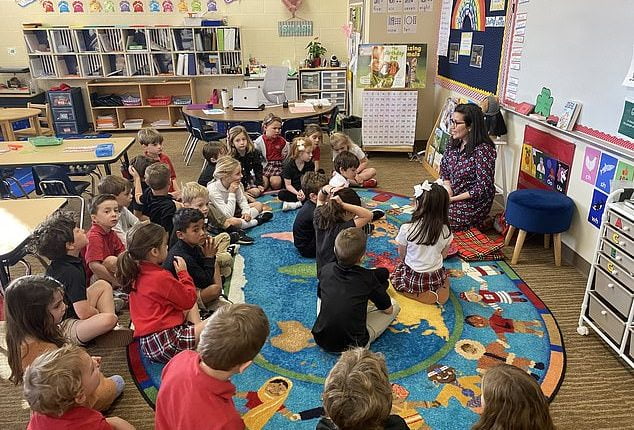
<point x="381" y="66"/>
<point x="597" y="206"/>
<point x="356" y="18"/>
<point x="416" y="66"/>
<point x="590" y="166"/>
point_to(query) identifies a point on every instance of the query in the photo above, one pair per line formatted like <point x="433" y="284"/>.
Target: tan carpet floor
<point x="598" y="389"/>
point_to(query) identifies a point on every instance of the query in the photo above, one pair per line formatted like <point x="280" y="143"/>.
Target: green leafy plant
<point x="315" y="49"/>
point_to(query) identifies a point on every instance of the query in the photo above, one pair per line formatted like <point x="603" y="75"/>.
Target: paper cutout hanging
<point x="292" y="5"/>
<point x="168" y="6"/>
<point x="108" y="6"/>
<point x="137" y="5"/>
<point x="544" y="102"/>
<point x="154" y="6"/>
<point x="196" y="6"/>
<point x="95" y="6"/>
<point x="182" y="6"/>
<point x="78" y="6"/>
<point x="24" y="3"/>
<point x="47" y="5"/>
<point x="63" y="6"/>
<point x="211" y="6"/>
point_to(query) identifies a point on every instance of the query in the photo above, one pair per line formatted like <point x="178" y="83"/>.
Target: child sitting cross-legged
<point x="364" y="175"/>
<point x="103" y="243"/>
<point x="162" y="309"/>
<point x="196" y="391"/>
<point x="196" y="196"/>
<point x="57" y="384"/>
<point x="227" y="193"/>
<point x="344" y="169"/>
<point x="199" y="251"/>
<point x="137" y="168"/>
<point x="157" y="203"/>
<point x="241" y="148"/>
<point x="303" y="229"/>
<point x="152" y="143"/>
<point x="122" y="190"/>
<point x="34" y="329"/>
<point x="296" y="165"/>
<point x="211" y="152"/>
<point x="91" y="309"/>
<point x="344" y="318"/>
<point x="358" y="394"/>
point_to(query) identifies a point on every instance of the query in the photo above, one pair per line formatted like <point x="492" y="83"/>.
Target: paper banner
<point x="590" y="166"/>
<point x="182" y="6"/>
<point x="154" y="6"/>
<point x="108" y="6"/>
<point x="606" y="172"/>
<point x="597" y="206"/>
<point x="63" y="6"/>
<point x="211" y="6"/>
<point x="78" y="6"/>
<point x="168" y="6"/>
<point x="95" y="6"/>
<point x="137" y="6"/>
<point x="124" y="6"/>
<point x="47" y="5"/>
<point x="465" y="43"/>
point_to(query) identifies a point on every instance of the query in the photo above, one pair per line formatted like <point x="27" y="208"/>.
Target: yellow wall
<point x="258" y="19"/>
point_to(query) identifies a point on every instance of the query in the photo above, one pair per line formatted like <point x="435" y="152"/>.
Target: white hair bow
<point x="425" y="186"/>
<point x="300" y="147"/>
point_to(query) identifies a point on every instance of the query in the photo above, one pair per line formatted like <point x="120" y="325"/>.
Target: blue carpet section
<point x="284" y="284"/>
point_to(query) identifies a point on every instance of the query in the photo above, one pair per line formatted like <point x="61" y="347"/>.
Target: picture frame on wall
<point x="477" y="51"/>
<point x="454" y="48"/>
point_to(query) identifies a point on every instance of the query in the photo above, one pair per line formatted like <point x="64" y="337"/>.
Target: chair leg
<point x="557" y="247"/>
<point x="509" y="235"/>
<point x="24" y="193"/>
<point x="188" y="142"/>
<point x="518" y="246"/>
<point x="190" y="154"/>
<point x="546" y="241"/>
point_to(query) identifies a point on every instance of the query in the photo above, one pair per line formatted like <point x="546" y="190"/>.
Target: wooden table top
<point x="19" y="218"/>
<point x="30" y="155"/>
<point x="14" y="114"/>
<point x="257" y="115"/>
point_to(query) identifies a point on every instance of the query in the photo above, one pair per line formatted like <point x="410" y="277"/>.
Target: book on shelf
<point x="569" y="115"/>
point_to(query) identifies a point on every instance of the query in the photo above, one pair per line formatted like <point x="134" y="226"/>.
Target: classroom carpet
<point x="435" y="356"/>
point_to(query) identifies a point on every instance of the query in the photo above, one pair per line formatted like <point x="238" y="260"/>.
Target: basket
<point x="159" y="100"/>
<point x="182" y="100"/>
<point x="45" y="141"/>
<point x="133" y="124"/>
<point x="130" y="100"/>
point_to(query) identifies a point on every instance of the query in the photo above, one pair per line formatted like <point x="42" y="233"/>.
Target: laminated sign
<point x="291" y="28"/>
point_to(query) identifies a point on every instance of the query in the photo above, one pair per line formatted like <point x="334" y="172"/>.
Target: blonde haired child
<point x="274" y="149"/>
<point x="315" y="135"/>
<point x="163" y="309"/>
<point x="422" y="244"/>
<point x="241" y="148"/>
<point x="340" y="142"/>
<point x="298" y="163"/>
<point x="512" y="399"/>
<point x="57" y="384"/>
<point x="152" y="142"/>
<point x="227" y="194"/>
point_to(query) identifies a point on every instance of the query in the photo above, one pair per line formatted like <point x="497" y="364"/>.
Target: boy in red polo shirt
<point x="152" y="143"/>
<point x="103" y="243"/>
<point x="195" y="390"/>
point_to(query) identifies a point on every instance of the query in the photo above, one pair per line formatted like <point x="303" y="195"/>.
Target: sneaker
<point x="368" y="229"/>
<point x="265" y="216"/>
<point x="119" y="305"/>
<point x="234" y="237"/>
<point x="369" y="183"/>
<point x="233" y="249"/>
<point x="377" y="214"/>
<point x="244" y="239"/>
<point x="291" y="206"/>
<point x="118" y="336"/>
<point x="119" y="384"/>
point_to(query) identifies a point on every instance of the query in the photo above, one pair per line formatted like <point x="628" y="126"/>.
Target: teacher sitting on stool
<point x="468" y="168"/>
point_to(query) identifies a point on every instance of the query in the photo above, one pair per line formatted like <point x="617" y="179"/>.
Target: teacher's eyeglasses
<point x="455" y="123"/>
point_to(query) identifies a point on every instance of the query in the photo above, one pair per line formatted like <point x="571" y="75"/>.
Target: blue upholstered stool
<point x="538" y="211"/>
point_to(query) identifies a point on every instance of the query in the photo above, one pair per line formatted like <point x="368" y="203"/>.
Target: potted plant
<point x="315" y="51"/>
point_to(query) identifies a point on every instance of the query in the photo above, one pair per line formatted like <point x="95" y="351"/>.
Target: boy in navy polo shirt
<point x="104" y="246"/>
<point x="91" y="310"/>
<point x="303" y="229"/>
<point x="158" y="204"/>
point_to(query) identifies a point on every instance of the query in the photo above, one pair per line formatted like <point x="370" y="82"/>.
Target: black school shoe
<point x="377" y="214"/>
<point x="368" y="229"/>
<point x="265" y="216"/>
<point x="243" y="239"/>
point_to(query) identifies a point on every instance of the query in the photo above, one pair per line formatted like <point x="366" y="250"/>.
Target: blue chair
<point x="332" y="121"/>
<point x="538" y="211"/>
<point x="254" y="128"/>
<point x="292" y="128"/>
<point x="53" y="181"/>
<point x="6" y="175"/>
<point x="198" y="131"/>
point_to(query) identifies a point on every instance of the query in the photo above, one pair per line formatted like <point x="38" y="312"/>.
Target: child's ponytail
<point x="332" y="213"/>
<point x="141" y="239"/>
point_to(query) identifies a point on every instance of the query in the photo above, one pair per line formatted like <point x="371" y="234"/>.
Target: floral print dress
<point x="473" y="173"/>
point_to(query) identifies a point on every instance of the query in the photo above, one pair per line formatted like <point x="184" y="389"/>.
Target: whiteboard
<point x="582" y="51"/>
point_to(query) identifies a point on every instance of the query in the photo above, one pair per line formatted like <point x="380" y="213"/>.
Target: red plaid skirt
<point x="165" y="344"/>
<point x="273" y="168"/>
<point x="407" y="280"/>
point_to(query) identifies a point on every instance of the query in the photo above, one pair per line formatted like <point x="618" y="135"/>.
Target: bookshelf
<point x="115" y="105"/>
<point x="112" y="52"/>
<point x="325" y="83"/>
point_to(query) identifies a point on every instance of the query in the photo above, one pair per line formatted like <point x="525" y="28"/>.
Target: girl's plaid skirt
<point x="407" y="280"/>
<point x="165" y="344"/>
<point x="273" y="168"/>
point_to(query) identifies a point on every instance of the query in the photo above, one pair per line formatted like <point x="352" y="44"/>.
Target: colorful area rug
<point x="435" y="356"/>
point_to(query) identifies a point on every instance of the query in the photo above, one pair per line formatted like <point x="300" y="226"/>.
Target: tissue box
<point x="104" y="150"/>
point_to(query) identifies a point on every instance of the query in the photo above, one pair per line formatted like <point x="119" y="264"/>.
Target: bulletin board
<point x="474" y="65"/>
<point x="580" y="51"/>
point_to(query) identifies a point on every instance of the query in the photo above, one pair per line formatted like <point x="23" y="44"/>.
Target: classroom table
<point x="256" y="115"/>
<point x="18" y="219"/>
<point x="9" y="115"/>
<point x="28" y="155"/>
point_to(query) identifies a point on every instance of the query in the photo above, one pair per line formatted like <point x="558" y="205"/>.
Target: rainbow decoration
<point x="474" y="10"/>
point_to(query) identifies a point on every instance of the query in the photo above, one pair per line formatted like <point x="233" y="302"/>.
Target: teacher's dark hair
<point x="474" y="121"/>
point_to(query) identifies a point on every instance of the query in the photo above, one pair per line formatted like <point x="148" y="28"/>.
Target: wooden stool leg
<point x="509" y="235"/>
<point x="518" y="246"/>
<point x="557" y="247"/>
<point x="546" y="241"/>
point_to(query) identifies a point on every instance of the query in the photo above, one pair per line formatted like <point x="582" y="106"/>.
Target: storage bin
<point x="66" y="128"/>
<point x="60" y="98"/>
<point x="133" y="124"/>
<point x="159" y="100"/>
<point x="64" y="114"/>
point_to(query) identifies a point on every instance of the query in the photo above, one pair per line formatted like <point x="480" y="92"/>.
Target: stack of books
<point x="106" y="121"/>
